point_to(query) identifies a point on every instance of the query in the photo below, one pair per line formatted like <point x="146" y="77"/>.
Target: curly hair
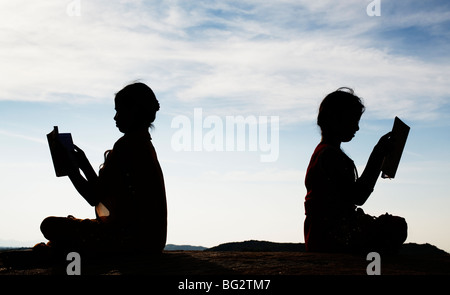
<point x="336" y="105"/>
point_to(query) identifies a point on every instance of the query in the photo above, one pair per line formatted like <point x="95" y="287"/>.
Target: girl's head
<point x="136" y="107"/>
<point x="339" y="115"/>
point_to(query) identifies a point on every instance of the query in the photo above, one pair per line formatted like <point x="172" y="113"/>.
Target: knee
<point x="48" y="227"/>
<point x="403" y="227"/>
<point x="400" y="225"/>
<point x="399" y="231"/>
<point x="396" y="225"/>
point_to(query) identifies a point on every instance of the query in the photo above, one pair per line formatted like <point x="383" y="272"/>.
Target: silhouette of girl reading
<point x="128" y="194"/>
<point x="333" y="221"/>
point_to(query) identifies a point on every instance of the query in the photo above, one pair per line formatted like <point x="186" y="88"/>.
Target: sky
<point x="267" y="62"/>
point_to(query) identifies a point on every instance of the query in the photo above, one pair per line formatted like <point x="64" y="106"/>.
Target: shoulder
<point x="324" y="155"/>
<point x="121" y="142"/>
<point x="134" y="149"/>
<point x="132" y="141"/>
<point x="331" y="158"/>
<point x="327" y="151"/>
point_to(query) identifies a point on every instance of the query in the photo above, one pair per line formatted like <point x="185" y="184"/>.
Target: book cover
<point x="61" y="145"/>
<point x="400" y="133"/>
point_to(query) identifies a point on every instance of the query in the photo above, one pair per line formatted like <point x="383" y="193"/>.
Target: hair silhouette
<point x="336" y="106"/>
<point x="138" y="99"/>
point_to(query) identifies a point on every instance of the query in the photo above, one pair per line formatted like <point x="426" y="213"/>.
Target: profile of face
<point x="125" y="119"/>
<point x="346" y="128"/>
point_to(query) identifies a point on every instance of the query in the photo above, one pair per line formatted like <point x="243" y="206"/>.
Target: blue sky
<point x="230" y="58"/>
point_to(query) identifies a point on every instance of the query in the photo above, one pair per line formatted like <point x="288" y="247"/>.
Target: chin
<point x="121" y="129"/>
<point x="347" y="139"/>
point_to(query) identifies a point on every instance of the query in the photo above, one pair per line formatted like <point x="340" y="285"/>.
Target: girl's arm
<point x="369" y="177"/>
<point x="86" y="186"/>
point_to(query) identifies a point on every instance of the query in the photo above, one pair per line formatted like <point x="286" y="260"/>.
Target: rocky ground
<point x="230" y="262"/>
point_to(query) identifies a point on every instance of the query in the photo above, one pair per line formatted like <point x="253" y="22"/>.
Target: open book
<point x="400" y="133"/>
<point x="61" y="147"/>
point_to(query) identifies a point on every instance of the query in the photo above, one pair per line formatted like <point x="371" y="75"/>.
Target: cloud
<point x="21" y="136"/>
<point x="231" y="57"/>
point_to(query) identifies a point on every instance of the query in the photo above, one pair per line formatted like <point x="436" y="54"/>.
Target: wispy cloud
<point x="275" y="58"/>
<point x="21" y="136"/>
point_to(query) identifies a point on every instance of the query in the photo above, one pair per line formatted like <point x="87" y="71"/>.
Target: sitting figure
<point x="333" y="221"/>
<point x="128" y="194"/>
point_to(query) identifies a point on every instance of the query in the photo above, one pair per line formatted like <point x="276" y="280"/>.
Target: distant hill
<point x="171" y="247"/>
<point x="12" y="248"/>
<point x="422" y="249"/>
<point x="265" y="246"/>
<point x="259" y="246"/>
